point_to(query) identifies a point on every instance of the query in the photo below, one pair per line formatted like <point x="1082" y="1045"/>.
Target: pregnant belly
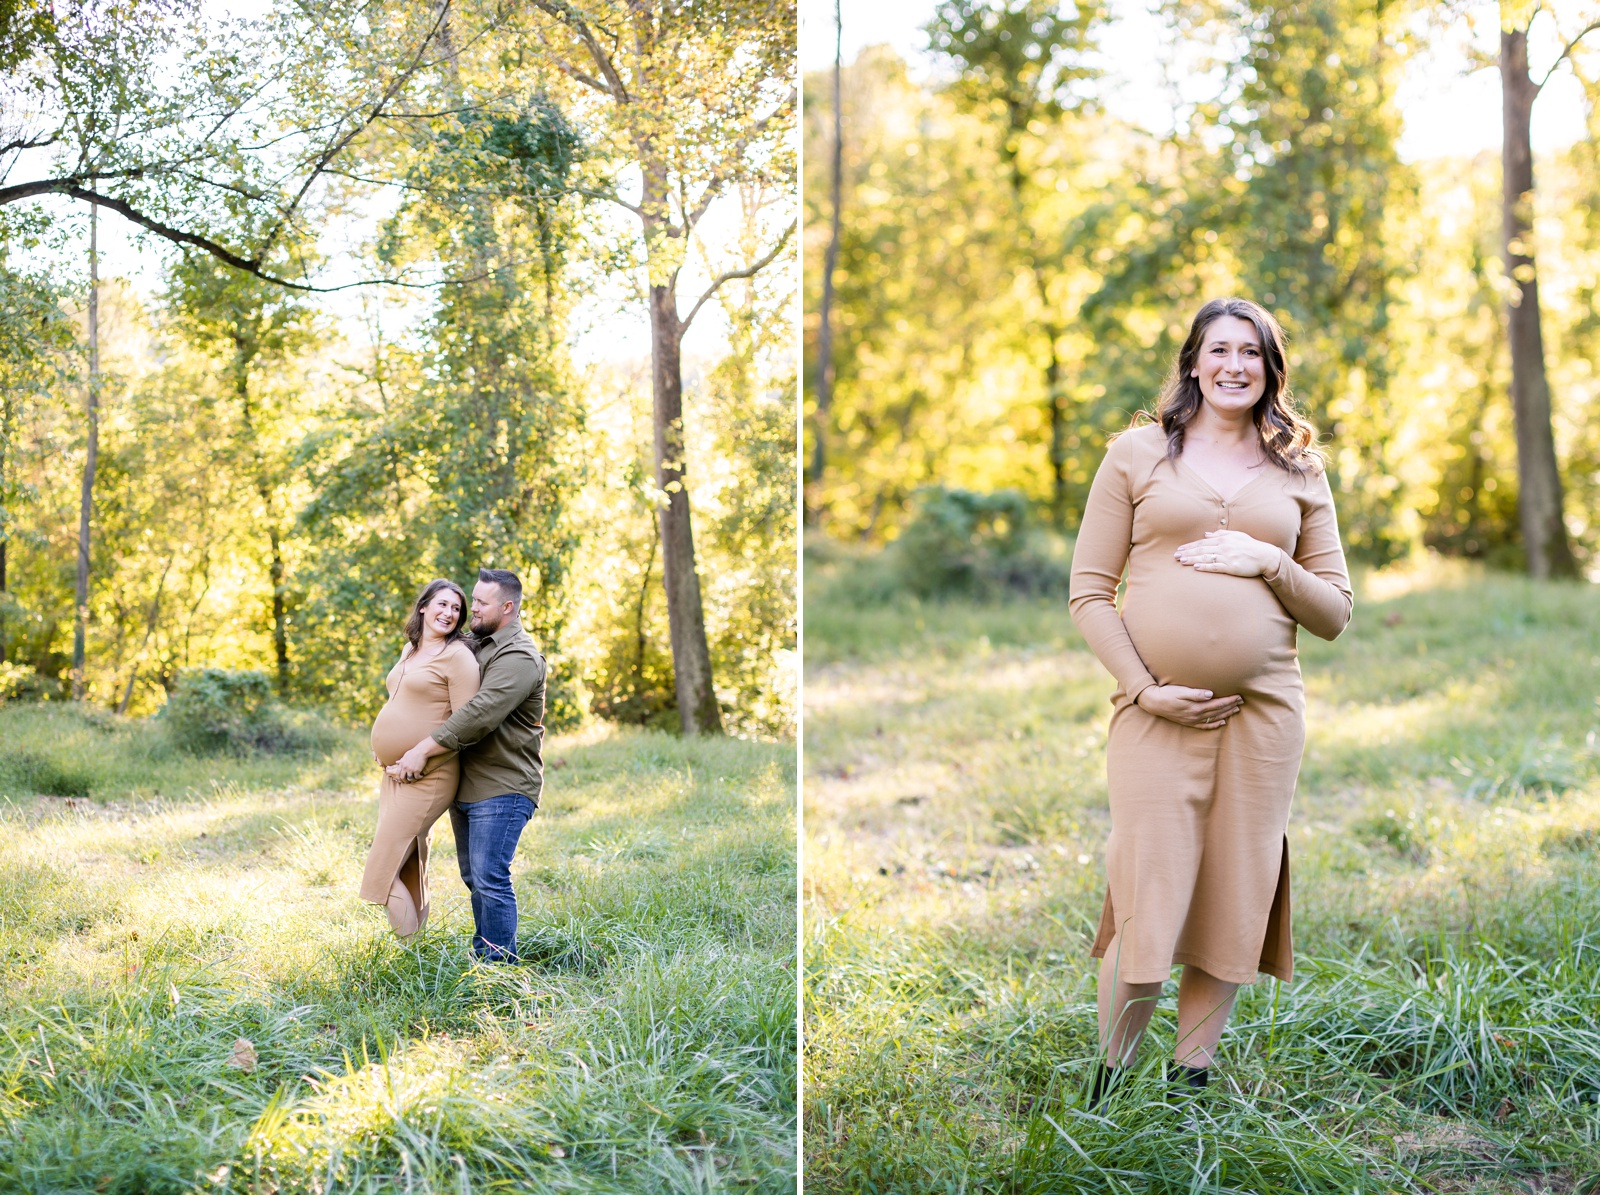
<point x="1209" y="630"/>
<point x="397" y="729"/>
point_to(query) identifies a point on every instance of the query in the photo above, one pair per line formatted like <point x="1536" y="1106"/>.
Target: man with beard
<point x="498" y="733"/>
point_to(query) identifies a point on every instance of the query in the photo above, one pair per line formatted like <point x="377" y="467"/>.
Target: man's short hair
<point x="507" y="581"/>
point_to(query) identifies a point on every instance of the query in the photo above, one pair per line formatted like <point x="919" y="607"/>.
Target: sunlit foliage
<point x="1281" y="181"/>
<point x="281" y="473"/>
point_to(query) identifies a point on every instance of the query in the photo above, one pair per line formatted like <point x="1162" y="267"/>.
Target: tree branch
<point x="563" y="12"/>
<point x="20" y="144"/>
<point x="338" y="144"/>
<point x="222" y="253"/>
<point x="613" y="197"/>
<point x="566" y="68"/>
<point x="1566" y="52"/>
<point x="714" y="185"/>
<point x="176" y="235"/>
<point x="750" y="271"/>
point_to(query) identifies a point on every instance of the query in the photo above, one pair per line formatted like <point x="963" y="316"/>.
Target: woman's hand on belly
<point x="1188" y="707"/>
<point x="1228" y="552"/>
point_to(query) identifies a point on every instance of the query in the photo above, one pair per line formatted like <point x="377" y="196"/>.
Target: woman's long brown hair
<point x="414" y="623"/>
<point x="1287" y="439"/>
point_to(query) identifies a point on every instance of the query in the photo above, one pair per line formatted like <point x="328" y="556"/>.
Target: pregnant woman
<point x="1222" y="516"/>
<point x="436" y="675"/>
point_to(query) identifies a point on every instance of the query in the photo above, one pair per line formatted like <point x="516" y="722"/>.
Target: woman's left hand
<point x="1231" y="552"/>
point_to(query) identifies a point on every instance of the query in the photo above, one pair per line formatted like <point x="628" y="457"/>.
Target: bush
<point x="847" y="575"/>
<point x="979" y="545"/>
<point x="219" y="710"/>
<point x="957" y="543"/>
<point x="34" y="773"/>
<point x="566" y="704"/>
<point x="23" y="682"/>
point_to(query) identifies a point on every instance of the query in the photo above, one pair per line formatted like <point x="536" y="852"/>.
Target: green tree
<point x="178" y="507"/>
<point x="817" y="462"/>
<point x="36" y="344"/>
<point x="1539" y="492"/>
<point x="1019" y="62"/>
<point x="213" y="133"/>
<point x="694" y="101"/>
<point x="1314" y="230"/>
<point x="457" y="449"/>
<point x="255" y="327"/>
<point x="920" y="293"/>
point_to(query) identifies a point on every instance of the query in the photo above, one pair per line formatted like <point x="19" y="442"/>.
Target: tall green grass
<point x="646" y="1045"/>
<point x="1441" y="1031"/>
<point x="62" y="750"/>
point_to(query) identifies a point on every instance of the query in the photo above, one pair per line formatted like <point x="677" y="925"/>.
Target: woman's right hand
<point x="1188" y="707"/>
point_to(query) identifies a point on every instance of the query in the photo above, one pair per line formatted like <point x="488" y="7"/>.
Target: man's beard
<point x="482" y="627"/>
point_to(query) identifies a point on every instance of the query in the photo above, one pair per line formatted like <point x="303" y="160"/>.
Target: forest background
<point x="282" y="452"/>
<point x="1034" y="201"/>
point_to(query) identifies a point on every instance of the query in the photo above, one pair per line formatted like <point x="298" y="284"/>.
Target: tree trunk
<point x="280" y="628"/>
<point x="86" y="506"/>
<point x="1058" y="425"/>
<point x="1539" y="499"/>
<point x="5" y="514"/>
<point x="644" y="596"/>
<point x="280" y="622"/>
<point x="830" y="262"/>
<point x="149" y="630"/>
<point x="686" y="620"/>
<point x="1034" y="257"/>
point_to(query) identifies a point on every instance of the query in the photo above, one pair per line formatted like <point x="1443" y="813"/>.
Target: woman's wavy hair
<point x="1287" y="438"/>
<point x="414" y="623"/>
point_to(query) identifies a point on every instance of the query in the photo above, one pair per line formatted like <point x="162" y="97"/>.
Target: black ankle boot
<point x="1105" y="1078"/>
<point x="1194" y="1077"/>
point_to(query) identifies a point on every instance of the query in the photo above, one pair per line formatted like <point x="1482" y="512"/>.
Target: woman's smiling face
<point x="443" y="613"/>
<point x="1230" y="369"/>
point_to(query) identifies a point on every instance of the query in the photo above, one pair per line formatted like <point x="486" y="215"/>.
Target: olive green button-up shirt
<point x="500" y="731"/>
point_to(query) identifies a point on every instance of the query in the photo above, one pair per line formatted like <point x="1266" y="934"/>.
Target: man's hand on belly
<point x="1188" y="707"/>
<point x="414" y="762"/>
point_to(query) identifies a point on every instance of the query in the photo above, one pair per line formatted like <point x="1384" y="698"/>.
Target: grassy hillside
<point x="647" y="1045"/>
<point x="1441" y="1032"/>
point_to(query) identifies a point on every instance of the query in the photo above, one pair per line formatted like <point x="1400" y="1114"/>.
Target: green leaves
<point x="1018" y="58"/>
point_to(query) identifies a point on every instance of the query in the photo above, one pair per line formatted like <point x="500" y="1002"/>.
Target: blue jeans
<point x="486" y="839"/>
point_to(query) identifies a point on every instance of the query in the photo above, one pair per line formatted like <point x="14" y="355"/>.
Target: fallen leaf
<point x="557" y="1152"/>
<point x="243" y="1056"/>
<point x="1392" y="619"/>
<point x="1504" y="1111"/>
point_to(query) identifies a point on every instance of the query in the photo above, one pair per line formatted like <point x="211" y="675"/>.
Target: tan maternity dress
<point x="422" y="696"/>
<point x="1197" y="862"/>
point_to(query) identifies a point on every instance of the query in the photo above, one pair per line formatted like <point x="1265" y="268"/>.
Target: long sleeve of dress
<point x="1104" y="540"/>
<point x="460" y="669"/>
<point x="1314" y="584"/>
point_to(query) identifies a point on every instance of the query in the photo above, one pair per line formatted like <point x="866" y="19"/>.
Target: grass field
<point x="1441" y="1034"/>
<point x="182" y="905"/>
